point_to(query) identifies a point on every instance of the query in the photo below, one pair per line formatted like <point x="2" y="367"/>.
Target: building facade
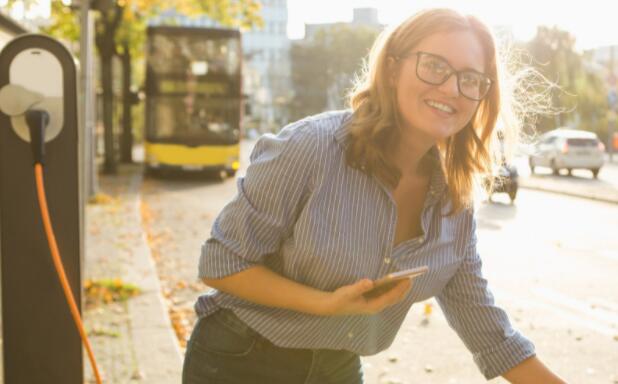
<point x="267" y="69"/>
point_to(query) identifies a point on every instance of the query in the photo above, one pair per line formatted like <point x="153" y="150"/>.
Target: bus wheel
<point x="150" y="172"/>
<point x="222" y="175"/>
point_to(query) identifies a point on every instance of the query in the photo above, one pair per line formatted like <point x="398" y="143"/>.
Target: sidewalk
<point x="132" y="340"/>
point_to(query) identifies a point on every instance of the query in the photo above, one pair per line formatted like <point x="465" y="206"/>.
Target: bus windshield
<point x="193" y="85"/>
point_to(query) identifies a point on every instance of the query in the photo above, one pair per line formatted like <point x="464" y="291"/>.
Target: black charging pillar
<point x="41" y="343"/>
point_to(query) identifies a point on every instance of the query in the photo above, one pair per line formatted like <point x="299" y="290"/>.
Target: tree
<point x="323" y="66"/>
<point x="581" y="93"/>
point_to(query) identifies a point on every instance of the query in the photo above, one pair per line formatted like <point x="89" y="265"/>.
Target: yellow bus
<point x="193" y="100"/>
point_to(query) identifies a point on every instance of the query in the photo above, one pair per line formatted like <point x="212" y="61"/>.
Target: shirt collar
<point x="437" y="181"/>
<point x="343" y="129"/>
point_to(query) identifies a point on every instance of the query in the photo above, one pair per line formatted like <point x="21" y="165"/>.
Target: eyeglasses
<point x="436" y="70"/>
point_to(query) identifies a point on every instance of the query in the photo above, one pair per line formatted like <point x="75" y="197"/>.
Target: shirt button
<point x="350" y="335"/>
<point x="387" y="260"/>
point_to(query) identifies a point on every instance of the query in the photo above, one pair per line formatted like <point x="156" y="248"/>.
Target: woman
<point x="337" y="200"/>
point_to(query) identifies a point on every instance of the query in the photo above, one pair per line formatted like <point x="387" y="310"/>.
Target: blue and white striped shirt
<point x="304" y="213"/>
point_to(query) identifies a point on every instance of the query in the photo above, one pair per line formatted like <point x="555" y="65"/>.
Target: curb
<point x="157" y="351"/>
<point x="569" y="193"/>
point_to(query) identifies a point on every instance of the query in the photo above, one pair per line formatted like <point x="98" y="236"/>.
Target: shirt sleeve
<point x="269" y="199"/>
<point x="483" y="327"/>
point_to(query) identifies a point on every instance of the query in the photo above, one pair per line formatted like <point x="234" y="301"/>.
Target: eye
<point x="435" y="65"/>
<point x="470" y="79"/>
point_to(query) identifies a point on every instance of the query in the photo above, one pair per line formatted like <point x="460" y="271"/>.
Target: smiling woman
<point x="336" y="201"/>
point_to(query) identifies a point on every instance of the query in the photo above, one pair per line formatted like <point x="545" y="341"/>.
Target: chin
<point x="441" y="132"/>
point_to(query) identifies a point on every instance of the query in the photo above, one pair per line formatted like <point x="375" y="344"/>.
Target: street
<point x="551" y="260"/>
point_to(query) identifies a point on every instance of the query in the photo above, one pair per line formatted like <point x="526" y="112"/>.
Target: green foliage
<point x="64" y="25"/>
<point x="323" y="67"/>
<point x="581" y="94"/>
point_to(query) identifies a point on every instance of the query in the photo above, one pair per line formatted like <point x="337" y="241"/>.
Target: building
<point x="604" y="60"/>
<point x="366" y="17"/>
<point x="267" y="70"/>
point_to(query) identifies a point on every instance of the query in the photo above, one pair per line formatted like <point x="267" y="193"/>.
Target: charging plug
<point x="37" y="120"/>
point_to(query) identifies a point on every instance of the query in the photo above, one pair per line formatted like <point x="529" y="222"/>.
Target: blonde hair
<point x="374" y="128"/>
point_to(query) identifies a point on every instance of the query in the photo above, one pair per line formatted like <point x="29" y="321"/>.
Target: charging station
<point x="40" y="341"/>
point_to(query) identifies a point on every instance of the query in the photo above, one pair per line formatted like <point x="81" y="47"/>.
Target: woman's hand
<point x="349" y="299"/>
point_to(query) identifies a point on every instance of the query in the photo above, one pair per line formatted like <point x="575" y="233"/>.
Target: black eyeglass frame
<point x="452" y="71"/>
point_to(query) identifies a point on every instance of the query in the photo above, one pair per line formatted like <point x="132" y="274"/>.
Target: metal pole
<point x="87" y="109"/>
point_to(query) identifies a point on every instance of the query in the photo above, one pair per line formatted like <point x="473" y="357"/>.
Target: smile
<point x="440" y="106"/>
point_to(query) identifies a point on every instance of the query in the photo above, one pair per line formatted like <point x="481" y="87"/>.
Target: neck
<point x="410" y="152"/>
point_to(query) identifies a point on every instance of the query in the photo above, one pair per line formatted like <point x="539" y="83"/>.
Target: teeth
<point x="440" y="106"/>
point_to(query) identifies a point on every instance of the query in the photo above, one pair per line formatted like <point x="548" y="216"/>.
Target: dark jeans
<point x="224" y="350"/>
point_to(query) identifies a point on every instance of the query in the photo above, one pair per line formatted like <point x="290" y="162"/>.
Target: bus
<point x="193" y="100"/>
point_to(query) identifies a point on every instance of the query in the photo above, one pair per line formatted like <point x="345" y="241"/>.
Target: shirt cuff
<point x="498" y="359"/>
<point x="217" y="262"/>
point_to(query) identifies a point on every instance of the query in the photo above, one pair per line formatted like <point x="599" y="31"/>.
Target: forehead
<point x="462" y="49"/>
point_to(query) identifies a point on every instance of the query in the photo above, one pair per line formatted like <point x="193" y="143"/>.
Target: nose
<point x="449" y="87"/>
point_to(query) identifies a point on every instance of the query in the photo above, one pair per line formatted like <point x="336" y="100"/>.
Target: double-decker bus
<point x="193" y="99"/>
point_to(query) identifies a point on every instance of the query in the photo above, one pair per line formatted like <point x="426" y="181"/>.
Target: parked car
<point x="568" y="149"/>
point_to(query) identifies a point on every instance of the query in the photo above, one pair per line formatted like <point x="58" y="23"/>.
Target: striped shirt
<point x="302" y="212"/>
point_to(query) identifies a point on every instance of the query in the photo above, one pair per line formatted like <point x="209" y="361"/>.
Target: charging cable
<point x="37" y="120"/>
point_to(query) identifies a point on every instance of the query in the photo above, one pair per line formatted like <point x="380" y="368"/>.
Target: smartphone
<point x="386" y="283"/>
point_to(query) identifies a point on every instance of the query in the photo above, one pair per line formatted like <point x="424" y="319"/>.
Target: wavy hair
<point x="375" y="129"/>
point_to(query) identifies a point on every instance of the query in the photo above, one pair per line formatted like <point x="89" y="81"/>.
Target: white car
<point x="568" y="149"/>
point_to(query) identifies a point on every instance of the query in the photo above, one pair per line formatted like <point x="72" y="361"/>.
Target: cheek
<point x="467" y="112"/>
<point x="408" y="94"/>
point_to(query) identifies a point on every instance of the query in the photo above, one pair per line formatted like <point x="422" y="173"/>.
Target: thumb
<point x="363" y="286"/>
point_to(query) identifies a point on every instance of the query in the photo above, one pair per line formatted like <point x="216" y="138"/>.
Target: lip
<point x="438" y="111"/>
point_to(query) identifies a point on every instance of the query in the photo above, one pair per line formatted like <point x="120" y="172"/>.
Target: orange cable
<point x="51" y="239"/>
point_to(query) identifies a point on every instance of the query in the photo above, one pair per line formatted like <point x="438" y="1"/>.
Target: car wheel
<point x="555" y="170"/>
<point x="513" y="194"/>
<point x="531" y="164"/>
<point x="595" y="173"/>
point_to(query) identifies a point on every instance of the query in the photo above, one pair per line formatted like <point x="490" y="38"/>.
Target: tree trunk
<point x="126" y="141"/>
<point x="109" y="165"/>
<point x="105" y="32"/>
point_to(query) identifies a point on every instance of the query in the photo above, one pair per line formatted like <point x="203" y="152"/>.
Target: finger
<point x="387" y="298"/>
<point x="405" y="289"/>
<point x="398" y="292"/>
<point x="361" y="286"/>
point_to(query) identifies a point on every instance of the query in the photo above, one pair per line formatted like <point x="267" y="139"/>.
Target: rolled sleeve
<point x="269" y="199"/>
<point x="483" y="327"/>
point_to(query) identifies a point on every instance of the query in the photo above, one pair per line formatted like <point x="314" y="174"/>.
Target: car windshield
<point x="583" y="142"/>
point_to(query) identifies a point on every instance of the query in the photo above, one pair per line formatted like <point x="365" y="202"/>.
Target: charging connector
<point x="37" y="121"/>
